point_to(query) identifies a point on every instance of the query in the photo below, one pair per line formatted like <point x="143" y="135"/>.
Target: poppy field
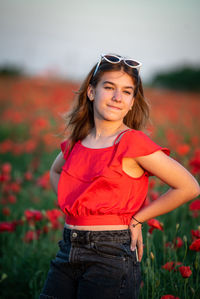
<point x="31" y="223"/>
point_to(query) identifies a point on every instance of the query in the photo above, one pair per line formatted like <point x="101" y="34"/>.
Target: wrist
<point x="135" y="222"/>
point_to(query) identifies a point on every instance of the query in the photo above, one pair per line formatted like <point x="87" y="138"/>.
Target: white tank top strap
<point x="117" y="139"/>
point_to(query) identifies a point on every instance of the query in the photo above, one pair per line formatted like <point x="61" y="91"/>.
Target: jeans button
<point x="74" y="235"/>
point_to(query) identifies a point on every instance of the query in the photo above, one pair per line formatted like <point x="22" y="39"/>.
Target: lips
<point x="114" y="107"/>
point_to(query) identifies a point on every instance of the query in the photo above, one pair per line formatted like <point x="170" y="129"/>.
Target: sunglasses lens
<point x="112" y="59"/>
<point x="132" y="63"/>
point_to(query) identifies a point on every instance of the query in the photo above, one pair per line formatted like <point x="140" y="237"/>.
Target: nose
<point x="117" y="96"/>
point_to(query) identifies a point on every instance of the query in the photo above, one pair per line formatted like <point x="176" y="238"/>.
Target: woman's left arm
<point x="184" y="187"/>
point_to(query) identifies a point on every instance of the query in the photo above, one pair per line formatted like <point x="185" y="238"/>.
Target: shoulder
<point x="135" y="135"/>
<point x="136" y="143"/>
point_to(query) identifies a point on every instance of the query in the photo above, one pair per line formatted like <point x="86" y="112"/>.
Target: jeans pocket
<point x="131" y="253"/>
<point x="64" y="251"/>
<point x="108" y="250"/>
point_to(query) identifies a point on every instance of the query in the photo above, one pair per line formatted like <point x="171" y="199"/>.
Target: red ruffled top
<point x="94" y="190"/>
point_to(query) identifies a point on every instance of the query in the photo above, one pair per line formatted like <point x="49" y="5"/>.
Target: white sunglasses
<point x="116" y="59"/>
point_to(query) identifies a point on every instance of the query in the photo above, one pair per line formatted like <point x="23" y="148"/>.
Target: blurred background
<point x="66" y="37"/>
<point x="46" y="48"/>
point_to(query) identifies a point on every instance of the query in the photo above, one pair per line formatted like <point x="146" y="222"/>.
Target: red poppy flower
<point x="18" y="222"/>
<point x="12" y="198"/>
<point x="28" y="176"/>
<point x="6" y="211"/>
<point x="7" y="226"/>
<point x="45" y="229"/>
<point x="154" y="195"/>
<point x="53" y="216"/>
<point x="169" y="297"/>
<point x="6" y="188"/>
<point x="6" y="146"/>
<point x="195" y="245"/>
<point x="39" y="124"/>
<point x="195" y="233"/>
<point x="168" y="244"/>
<point x="33" y="215"/>
<point x="183" y="149"/>
<point x="195" y="162"/>
<point x="178" y="242"/>
<point x="169" y="266"/>
<point x="195" y="205"/>
<point x="6" y="168"/>
<point x="185" y="271"/>
<point x="145" y="203"/>
<point x="30" y="236"/>
<point x="15" y="187"/>
<point x="30" y="146"/>
<point x="152" y="184"/>
<point x="177" y="264"/>
<point x="43" y="181"/>
<point x="154" y="224"/>
<point x="195" y="208"/>
<point x="5" y="177"/>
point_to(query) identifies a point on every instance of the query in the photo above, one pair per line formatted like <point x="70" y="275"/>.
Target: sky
<point x="67" y="37"/>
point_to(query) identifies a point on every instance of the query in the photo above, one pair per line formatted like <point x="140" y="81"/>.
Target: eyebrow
<point x="127" y="87"/>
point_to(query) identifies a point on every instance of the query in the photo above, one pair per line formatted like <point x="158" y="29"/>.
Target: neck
<point x="107" y="129"/>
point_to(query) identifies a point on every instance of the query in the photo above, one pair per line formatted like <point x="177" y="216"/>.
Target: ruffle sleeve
<point x="134" y="144"/>
<point x="137" y="143"/>
<point x="65" y="148"/>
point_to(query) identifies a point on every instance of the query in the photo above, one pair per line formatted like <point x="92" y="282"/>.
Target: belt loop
<point x="87" y="237"/>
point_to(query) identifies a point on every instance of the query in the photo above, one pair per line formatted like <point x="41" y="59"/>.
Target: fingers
<point x="140" y="249"/>
<point x="134" y="237"/>
<point x="137" y="240"/>
<point x="133" y="244"/>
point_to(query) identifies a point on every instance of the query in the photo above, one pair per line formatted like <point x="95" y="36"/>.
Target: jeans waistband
<point x="84" y="237"/>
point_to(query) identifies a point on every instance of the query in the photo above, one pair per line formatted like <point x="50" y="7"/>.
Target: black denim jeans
<point x="93" y="265"/>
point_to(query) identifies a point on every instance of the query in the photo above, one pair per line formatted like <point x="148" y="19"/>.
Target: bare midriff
<point x="96" y="227"/>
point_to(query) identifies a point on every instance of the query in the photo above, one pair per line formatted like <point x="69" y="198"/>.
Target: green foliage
<point x="158" y="281"/>
<point x="17" y="133"/>
<point x="10" y="71"/>
<point x="184" y="78"/>
<point x="25" y="264"/>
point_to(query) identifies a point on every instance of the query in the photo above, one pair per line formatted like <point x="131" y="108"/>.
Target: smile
<point x="114" y="107"/>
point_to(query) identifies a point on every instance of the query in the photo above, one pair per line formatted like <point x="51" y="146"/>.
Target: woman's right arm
<point x="55" y="171"/>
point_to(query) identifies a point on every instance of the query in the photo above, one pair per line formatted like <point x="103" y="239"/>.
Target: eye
<point x="108" y="87"/>
<point x="127" y="92"/>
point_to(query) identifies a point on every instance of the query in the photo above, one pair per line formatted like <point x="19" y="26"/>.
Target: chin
<point x="114" y="117"/>
<point x="111" y="117"/>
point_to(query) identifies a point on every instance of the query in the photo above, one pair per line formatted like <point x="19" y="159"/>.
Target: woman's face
<point x="113" y="96"/>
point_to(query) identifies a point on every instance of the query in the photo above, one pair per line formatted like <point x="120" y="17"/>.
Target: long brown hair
<point x="80" y="120"/>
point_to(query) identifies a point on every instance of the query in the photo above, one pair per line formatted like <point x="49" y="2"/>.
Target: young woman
<point x="101" y="178"/>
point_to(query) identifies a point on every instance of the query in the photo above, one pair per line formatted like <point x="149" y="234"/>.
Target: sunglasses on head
<point x="117" y="59"/>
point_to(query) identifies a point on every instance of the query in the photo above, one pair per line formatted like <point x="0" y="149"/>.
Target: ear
<point x="90" y="92"/>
